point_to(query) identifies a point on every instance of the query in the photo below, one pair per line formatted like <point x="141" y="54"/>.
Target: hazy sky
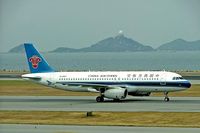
<point x="79" y="23"/>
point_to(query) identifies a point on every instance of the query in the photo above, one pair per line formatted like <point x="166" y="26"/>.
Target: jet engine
<point x="116" y="93"/>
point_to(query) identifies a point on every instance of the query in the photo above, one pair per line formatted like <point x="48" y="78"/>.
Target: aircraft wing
<point x="95" y="86"/>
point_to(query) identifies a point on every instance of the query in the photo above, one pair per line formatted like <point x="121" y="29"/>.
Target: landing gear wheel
<point x="166" y="99"/>
<point x="99" y="99"/>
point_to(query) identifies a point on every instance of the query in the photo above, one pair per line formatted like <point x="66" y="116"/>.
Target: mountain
<point x="181" y="45"/>
<point x="64" y="49"/>
<point x="120" y="43"/>
<point x="17" y="49"/>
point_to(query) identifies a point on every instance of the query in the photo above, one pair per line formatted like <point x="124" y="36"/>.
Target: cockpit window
<point x="177" y="78"/>
<point x="180" y="77"/>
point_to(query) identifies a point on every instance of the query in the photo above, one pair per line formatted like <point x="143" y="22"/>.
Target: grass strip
<point x="147" y="119"/>
<point x="26" y="88"/>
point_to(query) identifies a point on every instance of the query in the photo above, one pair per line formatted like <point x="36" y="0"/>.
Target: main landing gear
<point x="166" y="99"/>
<point x="100" y="99"/>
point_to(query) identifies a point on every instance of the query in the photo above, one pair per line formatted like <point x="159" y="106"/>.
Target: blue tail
<point x="37" y="64"/>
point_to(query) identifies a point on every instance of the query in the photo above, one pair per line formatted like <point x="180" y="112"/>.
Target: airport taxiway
<point x="88" y="103"/>
<point x="24" y="128"/>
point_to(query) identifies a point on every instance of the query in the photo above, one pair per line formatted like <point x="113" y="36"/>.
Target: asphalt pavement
<point x="88" y="103"/>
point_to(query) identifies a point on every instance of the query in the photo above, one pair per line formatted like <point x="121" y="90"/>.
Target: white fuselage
<point x="133" y="81"/>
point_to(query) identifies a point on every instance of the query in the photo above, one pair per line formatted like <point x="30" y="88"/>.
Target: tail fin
<point x="37" y="64"/>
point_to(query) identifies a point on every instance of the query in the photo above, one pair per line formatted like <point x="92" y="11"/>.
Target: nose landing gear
<point x="166" y="99"/>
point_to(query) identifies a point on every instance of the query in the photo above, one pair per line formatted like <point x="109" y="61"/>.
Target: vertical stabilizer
<point x="37" y="64"/>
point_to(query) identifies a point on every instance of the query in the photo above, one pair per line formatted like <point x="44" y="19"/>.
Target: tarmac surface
<point x="88" y="103"/>
<point x="23" y="128"/>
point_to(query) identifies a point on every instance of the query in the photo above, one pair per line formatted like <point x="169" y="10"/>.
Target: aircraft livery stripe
<point x="167" y="84"/>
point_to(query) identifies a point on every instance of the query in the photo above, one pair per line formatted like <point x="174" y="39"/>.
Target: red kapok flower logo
<point x="35" y="61"/>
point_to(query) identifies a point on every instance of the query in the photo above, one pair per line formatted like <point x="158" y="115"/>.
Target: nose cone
<point x="187" y="84"/>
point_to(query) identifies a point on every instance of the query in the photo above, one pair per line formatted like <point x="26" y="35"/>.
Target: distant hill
<point x="64" y="49"/>
<point x="180" y="45"/>
<point x="119" y="43"/>
<point x="17" y="49"/>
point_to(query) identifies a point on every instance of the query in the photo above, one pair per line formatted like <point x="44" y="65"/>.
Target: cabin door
<point x="163" y="80"/>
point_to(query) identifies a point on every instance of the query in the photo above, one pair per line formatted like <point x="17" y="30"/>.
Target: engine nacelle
<point x="139" y="93"/>
<point x="116" y="93"/>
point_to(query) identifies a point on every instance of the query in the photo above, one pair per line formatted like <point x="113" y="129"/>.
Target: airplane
<point x="114" y="85"/>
